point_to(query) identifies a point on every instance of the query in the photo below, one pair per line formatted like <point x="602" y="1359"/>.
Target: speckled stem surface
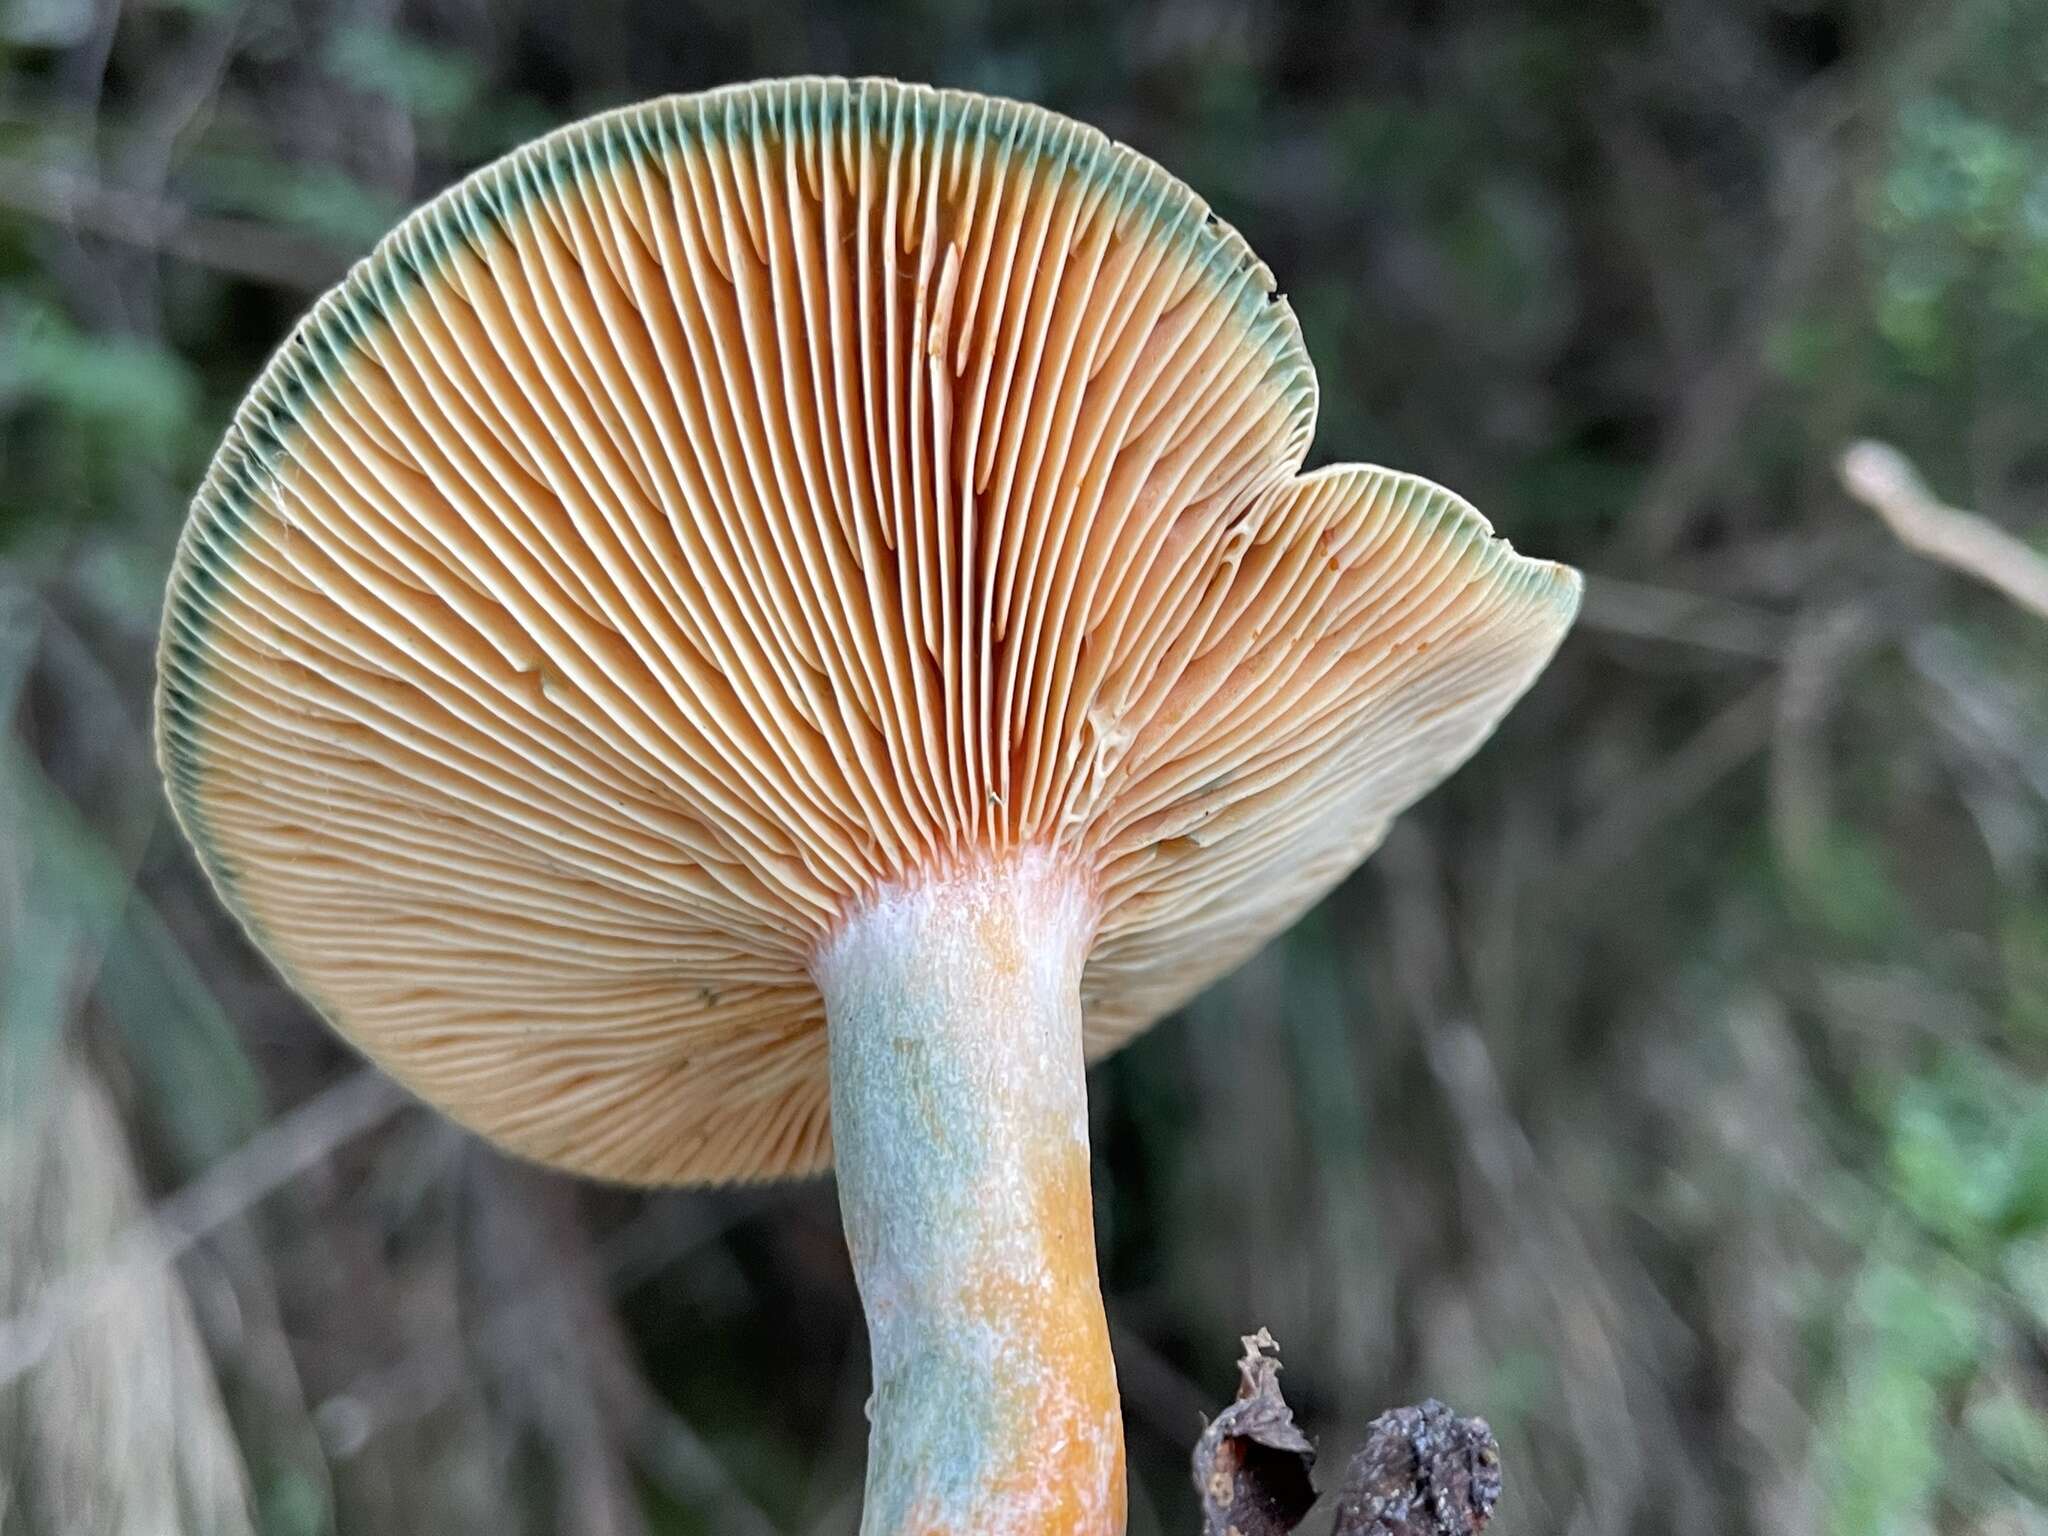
<point x="960" y="1127"/>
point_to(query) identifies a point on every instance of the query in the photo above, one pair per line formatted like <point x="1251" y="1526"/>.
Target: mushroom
<point x="768" y="628"/>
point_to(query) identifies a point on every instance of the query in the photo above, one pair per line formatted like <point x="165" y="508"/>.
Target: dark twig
<point x="1422" y="1471"/>
<point x="1252" y="1463"/>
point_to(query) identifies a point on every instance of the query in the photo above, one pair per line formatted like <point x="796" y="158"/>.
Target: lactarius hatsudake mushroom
<point x="768" y="628"/>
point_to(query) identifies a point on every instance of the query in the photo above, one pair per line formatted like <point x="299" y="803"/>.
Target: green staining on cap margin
<point x="325" y="344"/>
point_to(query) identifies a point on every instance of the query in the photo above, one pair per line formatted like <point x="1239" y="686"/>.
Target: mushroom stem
<point x="960" y="1131"/>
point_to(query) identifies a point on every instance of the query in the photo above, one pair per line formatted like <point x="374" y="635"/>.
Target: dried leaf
<point x="1422" y="1472"/>
<point x="1252" y="1464"/>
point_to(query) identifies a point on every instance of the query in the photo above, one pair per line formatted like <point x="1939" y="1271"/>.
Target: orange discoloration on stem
<point x="1050" y="1469"/>
<point x="1057" y="1419"/>
<point x="961" y="1120"/>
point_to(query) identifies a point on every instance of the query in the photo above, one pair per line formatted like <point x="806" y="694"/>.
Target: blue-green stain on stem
<point x="960" y="1127"/>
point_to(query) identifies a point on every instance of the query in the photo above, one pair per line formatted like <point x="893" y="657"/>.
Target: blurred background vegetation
<point x="1668" y="1090"/>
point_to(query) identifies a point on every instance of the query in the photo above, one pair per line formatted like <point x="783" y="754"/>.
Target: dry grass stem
<point x="1884" y="479"/>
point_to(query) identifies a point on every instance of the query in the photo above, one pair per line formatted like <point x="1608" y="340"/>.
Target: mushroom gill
<point x="732" y="507"/>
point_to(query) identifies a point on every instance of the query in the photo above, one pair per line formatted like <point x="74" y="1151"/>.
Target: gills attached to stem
<point x="960" y="1123"/>
<point x="637" y="618"/>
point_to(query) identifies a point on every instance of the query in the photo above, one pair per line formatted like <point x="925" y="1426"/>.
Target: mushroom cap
<point x="728" y="506"/>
